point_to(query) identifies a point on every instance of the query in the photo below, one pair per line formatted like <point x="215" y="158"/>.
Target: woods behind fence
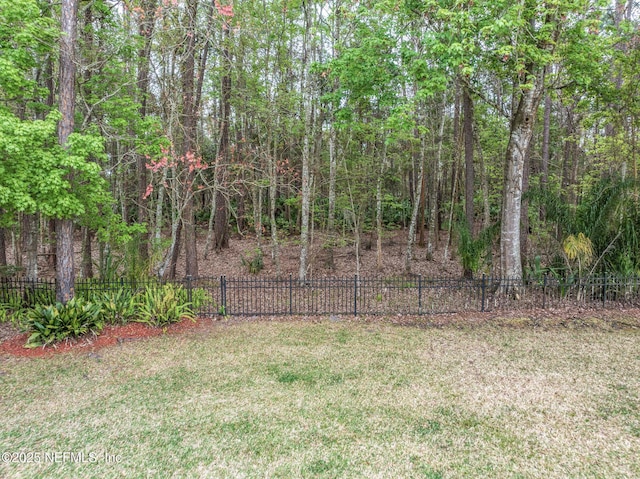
<point x="357" y="295"/>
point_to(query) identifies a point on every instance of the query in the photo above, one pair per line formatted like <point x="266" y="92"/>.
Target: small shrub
<point x="49" y="324"/>
<point x="38" y="294"/>
<point x="254" y="263"/>
<point x="118" y="307"/>
<point x="199" y="297"/>
<point x="161" y="306"/>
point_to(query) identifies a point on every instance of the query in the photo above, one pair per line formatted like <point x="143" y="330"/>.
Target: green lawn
<point x="331" y="399"/>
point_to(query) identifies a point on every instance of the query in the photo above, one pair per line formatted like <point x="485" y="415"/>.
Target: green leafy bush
<point x="39" y="294"/>
<point x="118" y="307"/>
<point x="160" y="306"/>
<point x="49" y="324"/>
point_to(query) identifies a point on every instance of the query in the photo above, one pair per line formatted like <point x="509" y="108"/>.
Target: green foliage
<point x="199" y="297"/>
<point x="253" y="263"/>
<point x="38" y="294"/>
<point x="578" y="248"/>
<point x="607" y="216"/>
<point x="119" y="306"/>
<point x="26" y="35"/>
<point x="36" y="179"/>
<point x="49" y="324"/>
<point x="474" y="252"/>
<point x="163" y="305"/>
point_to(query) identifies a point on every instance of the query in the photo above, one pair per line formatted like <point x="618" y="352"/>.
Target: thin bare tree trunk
<point x="30" y="223"/>
<point x="306" y="151"/>
<point x="436" y="180"/>
<point x="221" y="224"/>
<point x="467" y="127"/>
<point x="87" y="260"/>
<point x="457" y="147"/>
<point x="257" y="213"/>
<point x="524" y="214"/>
<point x="486" y="209"/>
<point x="408" y="257"/>
<point x="212" y="216"/>
<point x="273" y="193"/>
<point x="3" y="250"/>
<point x="65" y="270"/>
<point x="145" y="30"/>
<point x="546" y="138"/>
<point x="467" y="133"/>
<point x="189" y="146"/>
<point x="383" y="166"/>
<point x="157" y="236"/>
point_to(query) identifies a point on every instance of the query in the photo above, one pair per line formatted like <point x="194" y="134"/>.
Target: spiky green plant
<point x="160" y="306"/>
<point x="57" y="322"/>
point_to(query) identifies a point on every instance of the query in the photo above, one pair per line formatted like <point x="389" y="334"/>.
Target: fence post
<point x="604" y="289"/>
<point x="189" y="288"/>
<point x="355" y="295"/>
<point x="484" y="290"/>
<point x="290" y="294"/>
<point x="223" y="296"/>
<point x="419" y="294"/>
<point x="544" y="292"/>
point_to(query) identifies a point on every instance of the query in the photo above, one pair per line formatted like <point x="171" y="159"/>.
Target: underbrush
<point x="157" y="305"/>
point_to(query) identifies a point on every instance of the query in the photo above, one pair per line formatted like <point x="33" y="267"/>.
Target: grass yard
<point x="331" y="399"/>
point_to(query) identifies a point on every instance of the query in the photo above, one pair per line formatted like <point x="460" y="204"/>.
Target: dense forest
<point x="503" y="130"/>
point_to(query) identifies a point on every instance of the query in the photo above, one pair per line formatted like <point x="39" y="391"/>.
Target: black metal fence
<point x="355" y="295"/>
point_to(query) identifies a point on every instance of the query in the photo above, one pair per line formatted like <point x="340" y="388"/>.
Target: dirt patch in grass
<point x="111" y="335"/>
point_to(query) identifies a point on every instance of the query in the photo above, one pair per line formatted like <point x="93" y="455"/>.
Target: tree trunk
<point x="467" y="133"/>
<point x="486" y="207"/>
<point x="175" y="251"/>
<point x="524" y="214"/>
<point x="421" y="211"/>
<point x="189" y="146"/>
<point x="306" y="151"/>
<point x="436" y="180"/>
<point x="570" y="160"/>
<point x="87" y="260"/>
<point x="221" y="223"/>
<point x="467" y="127"/>
<point x="457" y="147"/>
<point x="273" y="193"/>
<point x="3" y="251"/>
<point x="546" y="139"/>
<point x="408" y="257"/>
<point x="383" y="166"/>
<point x="522" y="125"/>
<point x="65" y="270"/>
<point x="145" y="30"/>
<point x="52" y="245"/>
<point x="30" y="224"/>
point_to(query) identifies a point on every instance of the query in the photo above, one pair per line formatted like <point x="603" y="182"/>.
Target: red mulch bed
<point x="110" y="335"/>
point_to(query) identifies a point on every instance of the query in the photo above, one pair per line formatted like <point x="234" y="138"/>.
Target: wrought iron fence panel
<point x="253" y="296"/>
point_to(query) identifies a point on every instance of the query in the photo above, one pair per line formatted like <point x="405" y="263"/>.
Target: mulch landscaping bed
<point x="14" y="341"/>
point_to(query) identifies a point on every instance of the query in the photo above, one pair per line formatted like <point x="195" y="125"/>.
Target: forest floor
<point x="229" y="261"/>
<point x="394" y="244"/>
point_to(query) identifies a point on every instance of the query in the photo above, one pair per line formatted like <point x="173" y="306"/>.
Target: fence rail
<point x="355" y="295"/>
